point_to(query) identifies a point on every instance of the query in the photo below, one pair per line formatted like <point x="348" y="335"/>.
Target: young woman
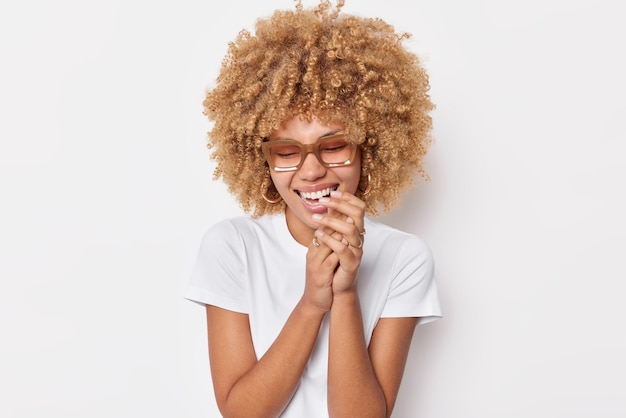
<point x="321" y="119"/>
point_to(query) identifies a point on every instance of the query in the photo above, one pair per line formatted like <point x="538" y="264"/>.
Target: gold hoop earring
<point x="264" y="190"/>
<point x="369" y="186"/>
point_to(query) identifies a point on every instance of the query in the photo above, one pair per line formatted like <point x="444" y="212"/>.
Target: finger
<point x="344" y="230"/>
<point x="346" y="204"/>
<point x="335" y="242"/>
<point x="318" y="251"/>
<point x="347" y="197"/>
<point x="349" y="205"/>
<point x="360" y="231"/>
<point x="321" y="259"/>
<point x="348" y="258"/>
<point x="330" y="213"/>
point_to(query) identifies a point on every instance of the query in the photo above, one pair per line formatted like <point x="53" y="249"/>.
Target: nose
<point x="311" y="168"/>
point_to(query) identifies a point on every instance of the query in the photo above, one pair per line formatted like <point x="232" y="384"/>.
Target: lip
<point x="312" y="205"/>
<point x="316" y="187"/>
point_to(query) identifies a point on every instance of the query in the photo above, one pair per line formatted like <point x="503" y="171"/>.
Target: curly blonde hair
<point x="337" y="67"/>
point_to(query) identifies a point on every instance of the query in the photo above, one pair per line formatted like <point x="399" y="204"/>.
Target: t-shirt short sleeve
<point x="413" y="290"/>
<point x="218" y="276"/>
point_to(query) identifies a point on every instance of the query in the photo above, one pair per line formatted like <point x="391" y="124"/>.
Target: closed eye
<point x="335" y="148"/>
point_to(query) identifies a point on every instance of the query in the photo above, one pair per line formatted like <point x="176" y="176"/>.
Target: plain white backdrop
<point x="106" y="189"/>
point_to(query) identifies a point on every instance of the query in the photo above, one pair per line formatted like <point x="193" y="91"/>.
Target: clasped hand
<point x="334" y="255"/>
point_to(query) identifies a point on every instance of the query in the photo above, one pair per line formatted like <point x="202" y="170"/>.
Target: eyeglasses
<point x="288" y="154"/>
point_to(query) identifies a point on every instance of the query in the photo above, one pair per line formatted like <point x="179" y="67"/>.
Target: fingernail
<point x="323" y="200"/>
<point x="335" y="193"/>
<point x="317" y="216"/>
<point x="318" y="233"/>
<point x="349" y="220"/>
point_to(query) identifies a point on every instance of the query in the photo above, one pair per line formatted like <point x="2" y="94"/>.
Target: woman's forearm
<point x="266" y="389"/>
<point x="353" y="389"/>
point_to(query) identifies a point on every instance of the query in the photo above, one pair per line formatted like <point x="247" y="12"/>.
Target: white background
<point x="106" y="190"/>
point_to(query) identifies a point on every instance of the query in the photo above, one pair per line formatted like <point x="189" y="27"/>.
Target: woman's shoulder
<point x="379" y="228"/>
<point x="393" y="238"/>
<point x="241" y="225"/>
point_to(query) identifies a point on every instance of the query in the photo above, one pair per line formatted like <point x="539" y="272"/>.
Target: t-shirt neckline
<point x="284" y="236"/>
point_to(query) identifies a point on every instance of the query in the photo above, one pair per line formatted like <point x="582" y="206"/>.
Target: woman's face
<point x="302" y="188"/>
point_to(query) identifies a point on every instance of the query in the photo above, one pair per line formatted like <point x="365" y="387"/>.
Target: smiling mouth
<point x="314" y="196"/>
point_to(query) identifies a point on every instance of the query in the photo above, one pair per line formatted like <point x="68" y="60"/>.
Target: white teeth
<point x="316" y="195"/>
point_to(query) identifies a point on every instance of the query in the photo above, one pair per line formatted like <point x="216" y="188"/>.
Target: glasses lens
<point x="285" y="155"/>
<point x="334" y="150"/>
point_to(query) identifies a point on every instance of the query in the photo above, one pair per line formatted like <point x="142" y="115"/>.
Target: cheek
<point x="350" y="176"/>
<point x="281" y="180"/>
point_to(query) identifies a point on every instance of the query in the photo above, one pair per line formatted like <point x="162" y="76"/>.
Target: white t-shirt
<point x="254" y="266"/>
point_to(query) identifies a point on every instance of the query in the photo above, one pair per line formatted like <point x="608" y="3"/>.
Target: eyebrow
<point x="326" y="135"/>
